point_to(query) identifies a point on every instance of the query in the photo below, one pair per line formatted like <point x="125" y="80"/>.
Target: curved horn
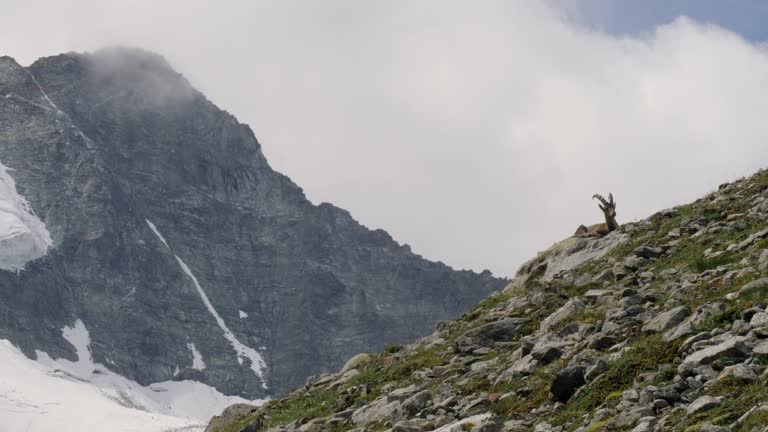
<point x="602" y="200"/>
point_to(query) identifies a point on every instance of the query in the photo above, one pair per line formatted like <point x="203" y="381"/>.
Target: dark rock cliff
<point x="105" y="145"/>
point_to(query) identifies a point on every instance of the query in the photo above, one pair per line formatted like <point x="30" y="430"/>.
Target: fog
<point x="476" y="132"/>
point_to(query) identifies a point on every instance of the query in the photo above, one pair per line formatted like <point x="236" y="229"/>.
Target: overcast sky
<point x="475" y="131"/>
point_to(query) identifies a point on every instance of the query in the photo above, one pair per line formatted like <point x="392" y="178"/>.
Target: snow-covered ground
<point x="47" y="395"/>
<point x="23" y="236"/>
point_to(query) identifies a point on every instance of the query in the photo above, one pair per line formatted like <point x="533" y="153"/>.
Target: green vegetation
<point x="316" y="403"/>
<point x="383" y="369"/>
<point x="738" y="398"/>
<point x="645" y="356"/>
<point x="512" y="396"/>
<point x="719" y="320"/>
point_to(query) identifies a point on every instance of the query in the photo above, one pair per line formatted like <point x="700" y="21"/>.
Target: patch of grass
<point x="588" y="316"/>
<point x="485" y="306"/>
<point x="597" y="426"/>
<point x="753" y="296"/>
<point x="238" y="425"/>
<point x="392" y="348"/>
<point x="701" y="264"/>
<point x="720" y="320"/>
<point x="385" y="369"/>
<point x="538" y="384"/>
<point x="645" y="356"/>
<point x="755" y="420"/>
<point x="738" y="398"/>
<point x="314" y="404"/>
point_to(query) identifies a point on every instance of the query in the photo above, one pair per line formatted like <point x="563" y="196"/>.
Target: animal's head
<point x="608" y="207"/>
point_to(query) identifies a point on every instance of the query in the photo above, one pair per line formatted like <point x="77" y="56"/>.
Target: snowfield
<point x="47" y="395"/>
<point x="23" y="236"/>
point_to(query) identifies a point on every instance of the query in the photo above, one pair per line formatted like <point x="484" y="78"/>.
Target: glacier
<point x="23" y="236"/>
<point x="46" y="394"/>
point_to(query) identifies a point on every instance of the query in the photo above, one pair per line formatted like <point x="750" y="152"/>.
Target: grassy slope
<point x="395" y="367"/>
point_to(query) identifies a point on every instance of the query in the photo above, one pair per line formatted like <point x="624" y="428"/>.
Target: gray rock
<point x="407" y="426"/>
<point x="761" y="283"/>
<point x="731" y="348"/>
<point x="759" y="319"/>
<point x="599" y="368"/>
<point x="379" y="410"/>
<point x="645" y="424"/>
<point x="602" y="341"/>
<point x="630" y="395"/>
<point x="684" y="328"/>
<point x="566" y="255"/>
<point x="648" y="251"/>
<point x="402" y="393"/>
<point x="569" y="309"/>
<point x="761" y="348"/>
<point x="416" y="403"/>
<point x="667" y="320"/>
<point x="567" y="381"/>
<point x="703" y="403"/>
<point x="487" y="335"/>
<point x="230" y="415"/>
<point x="740" y="372"/>
<point x="630" y="417"/>
<point x="355" y="362"/>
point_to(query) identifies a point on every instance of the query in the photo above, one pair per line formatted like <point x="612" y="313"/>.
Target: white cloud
<point x="474" y="131"/>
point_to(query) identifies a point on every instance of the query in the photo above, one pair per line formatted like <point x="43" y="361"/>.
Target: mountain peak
<point x="170" y="230"/>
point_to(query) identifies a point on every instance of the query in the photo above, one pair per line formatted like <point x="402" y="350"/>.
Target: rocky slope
<point x="132" y="204"/>
<point x="660" y="326"/>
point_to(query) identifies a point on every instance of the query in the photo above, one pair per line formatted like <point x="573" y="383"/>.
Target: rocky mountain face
<point x="659" y="326"/>
<point x="133" y="204"/>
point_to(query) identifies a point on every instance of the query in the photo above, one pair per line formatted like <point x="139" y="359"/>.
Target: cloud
<point x="476" y="132"/>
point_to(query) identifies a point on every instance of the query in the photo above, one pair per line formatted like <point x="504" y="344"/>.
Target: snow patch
<point x="243" y="351"/>
<point x="23" y="236"/>
<point x="157" y="233"/>
<point x="197" y="358"/>
<point x="47" y="394"/>
<point x="37" y="398"/>
<point x="243" y="314"/>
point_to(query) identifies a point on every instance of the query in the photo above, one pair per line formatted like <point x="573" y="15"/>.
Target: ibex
<point x="597" y="230"/>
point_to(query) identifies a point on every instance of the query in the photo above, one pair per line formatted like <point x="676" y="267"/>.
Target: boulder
<point x="354" y="362"/>
<point x="487" y="335"/>
<point x="402" y="393"/>
<point x="378" y="411"/>
<point x="646" y="251"/>
<point x="569" y="309"/>
<point x="417" y="402"/>
<point x="631" y="416"/>
<point x="740" y="372"/>
<point x="731" y="348"/>
<point x="703" y="403"/>
<point x="759" y="319"/>
<point x="567" y="382"/>
<point x="666" y="320"/>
